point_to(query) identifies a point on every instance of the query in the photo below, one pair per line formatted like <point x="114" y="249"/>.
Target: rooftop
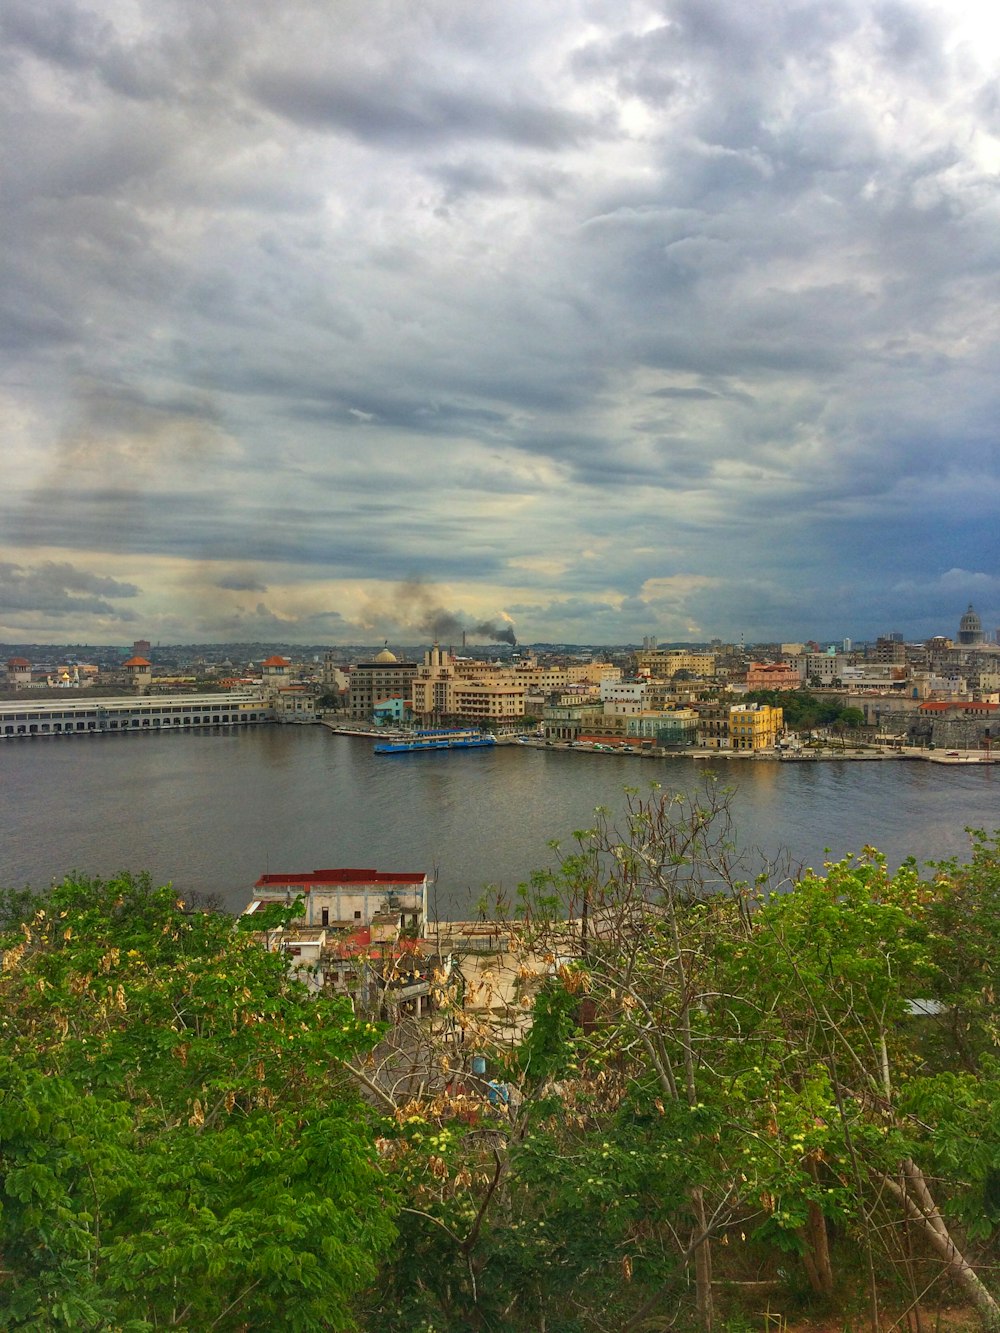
<point x="306" y="880"/>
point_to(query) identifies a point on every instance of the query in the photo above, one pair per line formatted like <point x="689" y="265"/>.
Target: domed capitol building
<point x="970" y="629"/>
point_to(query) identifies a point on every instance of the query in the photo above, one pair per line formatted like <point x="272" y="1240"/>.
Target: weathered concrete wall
<point x="954" y="733"/>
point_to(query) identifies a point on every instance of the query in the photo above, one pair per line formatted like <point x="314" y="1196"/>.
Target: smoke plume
<point x="416" y="607"/>
<point x="445" y="627"/>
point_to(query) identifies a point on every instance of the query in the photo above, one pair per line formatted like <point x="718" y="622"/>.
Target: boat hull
<point x="426" y="744"/>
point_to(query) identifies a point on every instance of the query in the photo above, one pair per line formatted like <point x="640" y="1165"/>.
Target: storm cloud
<point x="50" y="591"/>
<point x="673" y="317"/>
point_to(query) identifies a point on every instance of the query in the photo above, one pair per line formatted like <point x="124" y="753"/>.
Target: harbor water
<point x="211" y="811"/>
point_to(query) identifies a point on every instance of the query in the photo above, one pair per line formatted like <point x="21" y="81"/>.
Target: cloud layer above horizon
<point x="599" y="318"/>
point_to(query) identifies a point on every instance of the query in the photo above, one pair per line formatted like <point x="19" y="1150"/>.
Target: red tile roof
<point x="948" y="705"/>
<point x="276" y="662"/>
<point x="321" y="878"/>
<point x="137" y="662"/>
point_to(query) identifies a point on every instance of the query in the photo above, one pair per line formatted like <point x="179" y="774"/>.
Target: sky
<point x="592" y="319"/>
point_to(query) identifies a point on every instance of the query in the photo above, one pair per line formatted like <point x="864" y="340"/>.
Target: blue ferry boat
<point x="444" y="739"/>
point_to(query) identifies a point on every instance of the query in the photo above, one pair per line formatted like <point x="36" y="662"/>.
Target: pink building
<point x="772" y="676"/>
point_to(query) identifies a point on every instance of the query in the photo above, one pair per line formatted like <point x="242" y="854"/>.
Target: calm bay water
<point x="214" y="810"/>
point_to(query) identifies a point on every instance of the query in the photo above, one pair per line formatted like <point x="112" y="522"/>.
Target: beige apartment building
<point x="666" y="662"/>
<point x="443" y="687"/>
<point x="549" y="679"/>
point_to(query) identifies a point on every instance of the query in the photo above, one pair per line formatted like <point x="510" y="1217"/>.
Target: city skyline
<point x="578" y="322"/>
<point x="507" y="645"/>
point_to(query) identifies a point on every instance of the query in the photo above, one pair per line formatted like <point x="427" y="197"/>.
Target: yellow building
<point x="754" y="726"/>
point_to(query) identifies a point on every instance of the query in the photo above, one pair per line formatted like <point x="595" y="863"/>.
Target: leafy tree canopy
<point x="802" y="711"/>
<point x="179" y="1144"/>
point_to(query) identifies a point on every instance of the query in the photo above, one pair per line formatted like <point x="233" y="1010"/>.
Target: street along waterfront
<point x="213" y="810"/>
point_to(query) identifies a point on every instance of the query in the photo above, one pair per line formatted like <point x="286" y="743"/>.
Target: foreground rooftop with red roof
<point x="350" y="875"/>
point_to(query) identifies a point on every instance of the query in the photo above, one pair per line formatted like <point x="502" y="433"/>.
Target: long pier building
<point x="58" y="717"/>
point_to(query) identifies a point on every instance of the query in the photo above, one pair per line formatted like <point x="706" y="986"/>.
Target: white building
<point x="72" y="717"/>
<point x="623" y="698"/>
<point x="349" y="897"/>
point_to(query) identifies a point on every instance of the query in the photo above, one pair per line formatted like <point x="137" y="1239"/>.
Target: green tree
<point x="180" y="1143"/>
<point x="838" y="961"/>
<point x="717" y="1068"/>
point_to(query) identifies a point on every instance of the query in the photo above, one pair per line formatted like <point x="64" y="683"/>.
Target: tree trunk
<point x="703" y="1264"/>
<point x="816" y="1256"/>
<point x="913" y="1193"/>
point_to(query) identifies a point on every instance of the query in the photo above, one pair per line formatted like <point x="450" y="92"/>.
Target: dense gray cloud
<point x="604" y="319"/>
<point x="50" y="592"/>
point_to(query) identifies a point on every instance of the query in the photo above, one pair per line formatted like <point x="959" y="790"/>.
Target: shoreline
<point x="827" y="754"/>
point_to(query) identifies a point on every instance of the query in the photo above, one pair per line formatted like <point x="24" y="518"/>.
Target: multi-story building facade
<point x="70" y="717"/>
<point x="18" y="673"/>
<point x="773" y="676"/>
<point x="890" y="649"/>
<point x="139" y="671"/>
<point x="666" y="662"/>
<point x="371" y="683"/>
<point x="664" y="694"/>
<point x="294" y="703"/>
<point x="745" y="727"/>
<point x="874" y="676"/>
<point x="623" y="697"/>
<point x="823" y="669"/>
<point x="494" y="701"/>
<point x="754" y="726"/>
<point x="276" y="673"/>
<point x="334" y="676"/>
<point x="550" y="679"/>
<point x="713" y="725"/>
<point x="444" y="688"/>
<point x="673" y="729"/>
